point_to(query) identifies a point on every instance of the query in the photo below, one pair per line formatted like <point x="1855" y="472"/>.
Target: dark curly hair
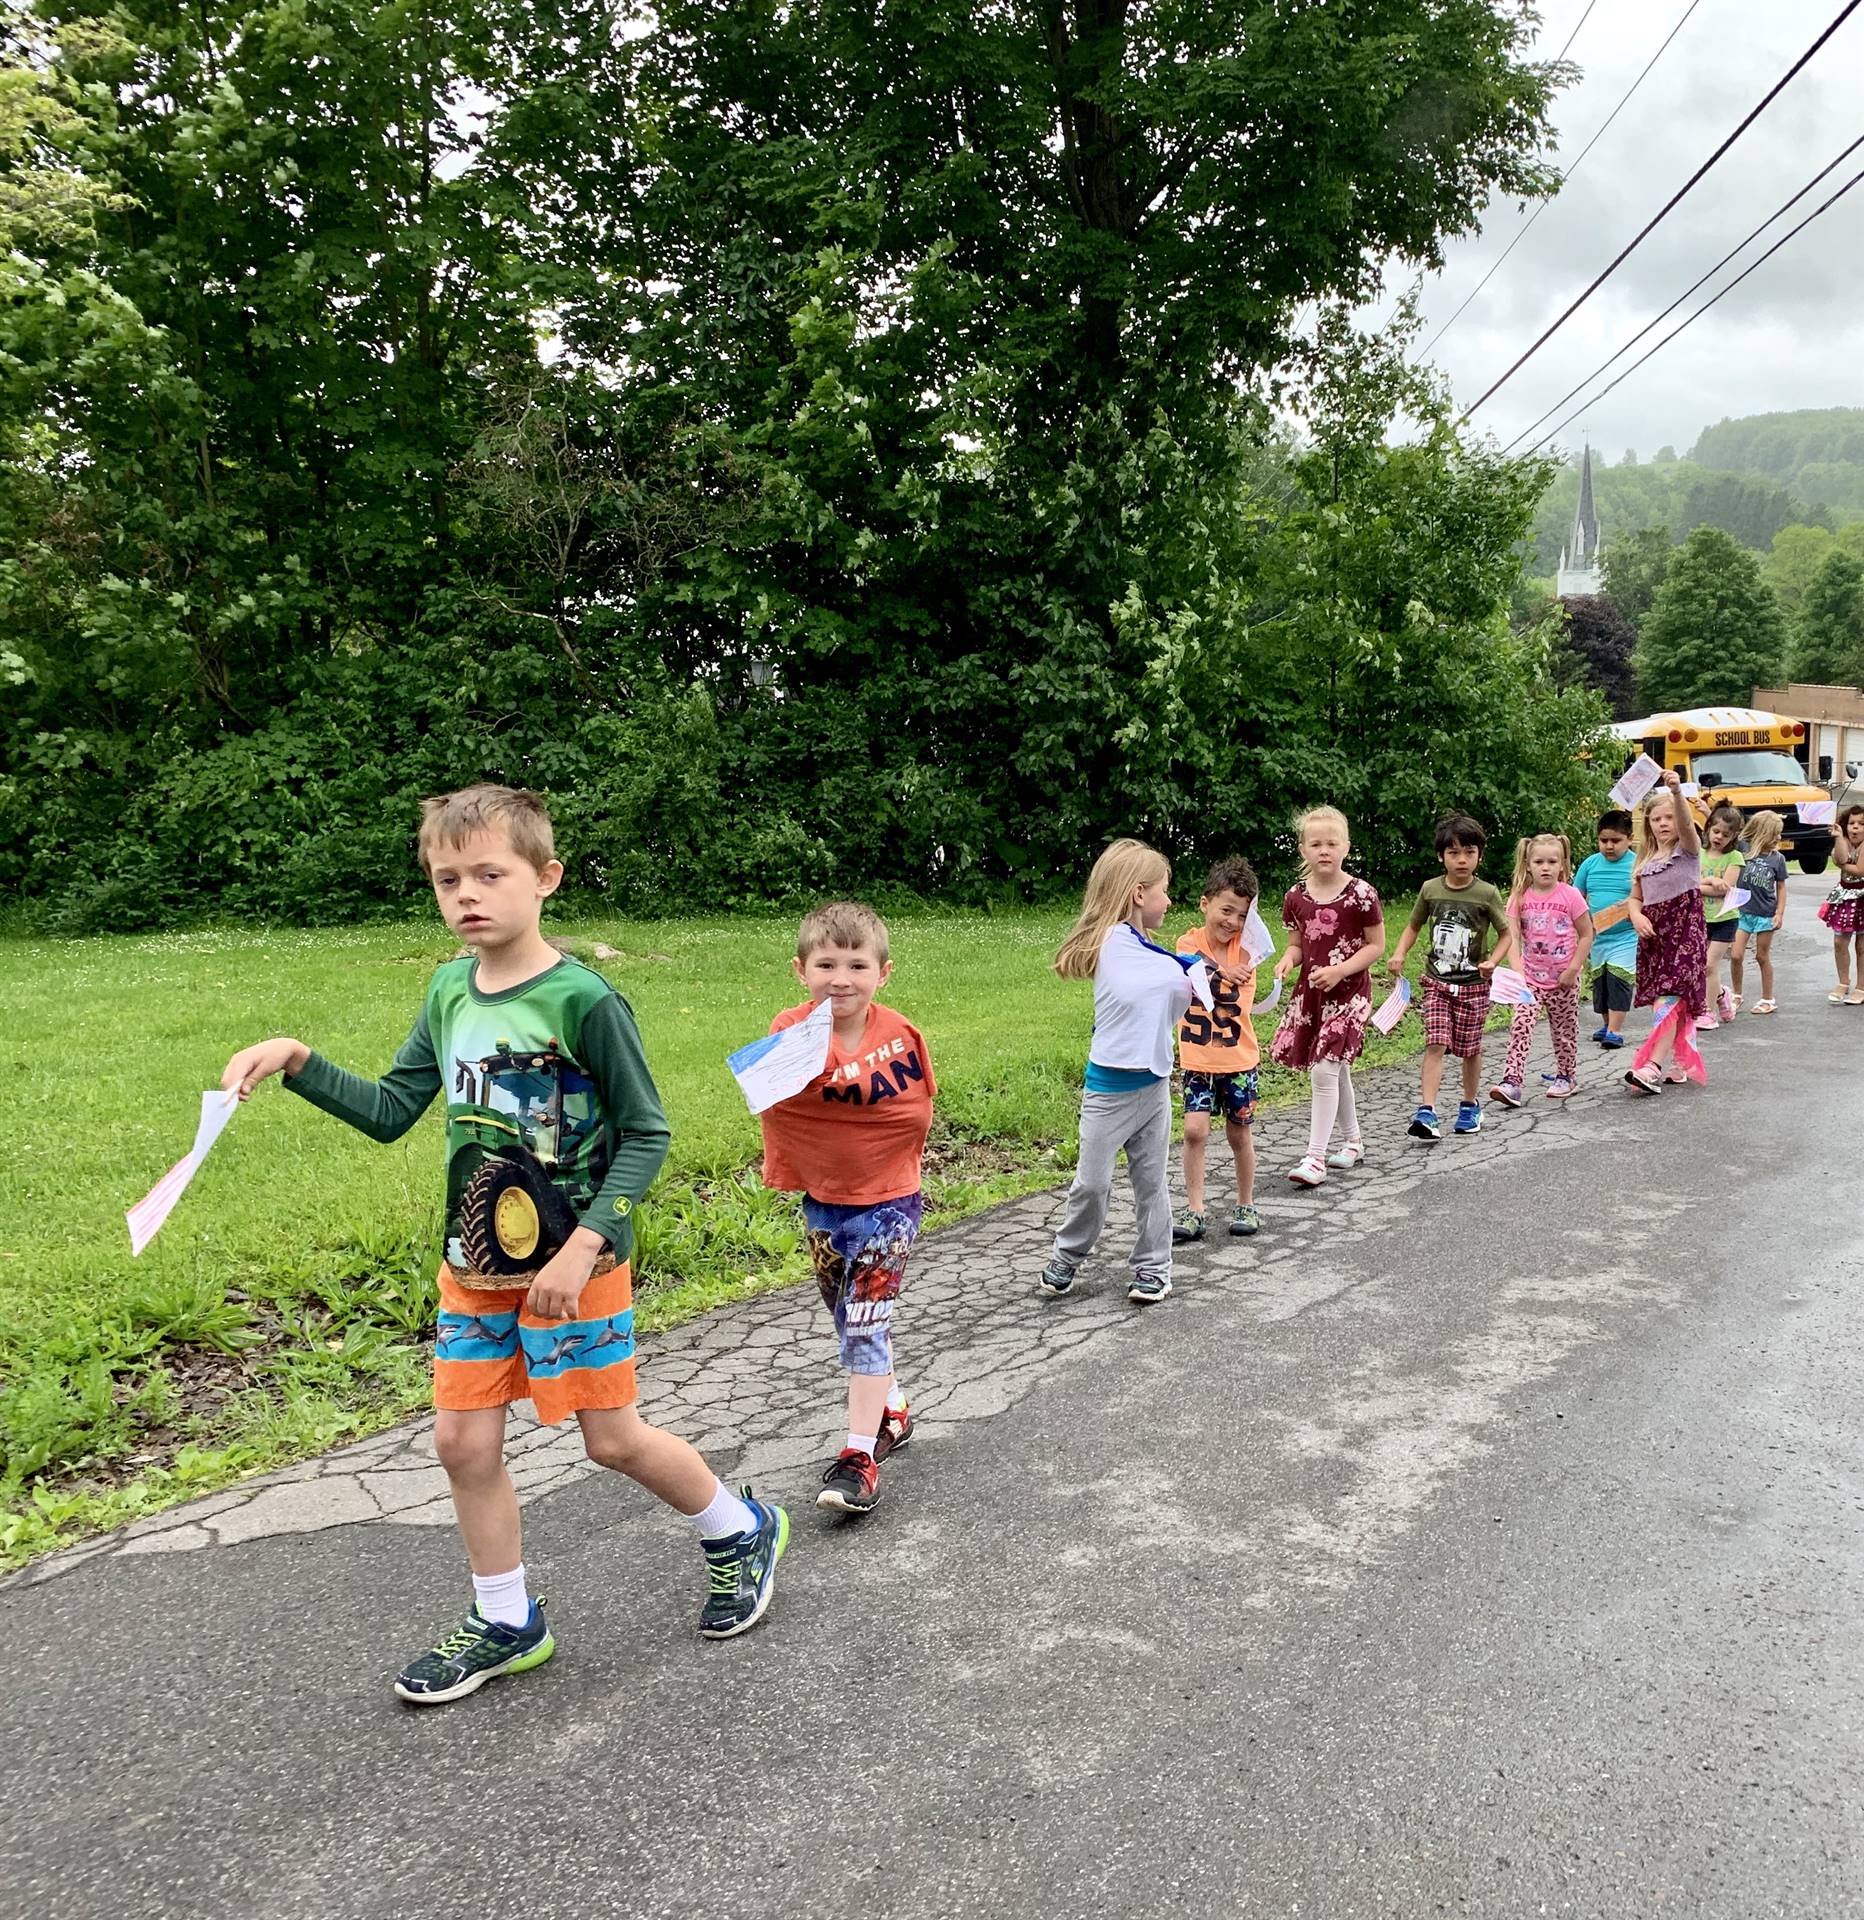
<point x="1235" y="876"/>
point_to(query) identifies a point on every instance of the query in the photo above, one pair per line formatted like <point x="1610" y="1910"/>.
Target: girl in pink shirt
<point x="1553" y="935"/>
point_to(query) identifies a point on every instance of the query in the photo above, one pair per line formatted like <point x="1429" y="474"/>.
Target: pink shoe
<point x="1310" y="1173"/>
<point x="1707" y="1024"/>
<point x="1727" y="1006"/>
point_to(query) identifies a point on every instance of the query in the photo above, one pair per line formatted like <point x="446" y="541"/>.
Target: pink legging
<point x="1562" y="1004"/>
<point x="1332" y="1083"/>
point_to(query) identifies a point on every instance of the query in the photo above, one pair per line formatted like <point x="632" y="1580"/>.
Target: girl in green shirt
<point x="1721" y="868"/>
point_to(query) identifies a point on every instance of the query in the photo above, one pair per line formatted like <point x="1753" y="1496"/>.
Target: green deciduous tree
<point x="1635" y="565"/>
<point x="1715" y="632"/>
<point x="1828" y="646"/>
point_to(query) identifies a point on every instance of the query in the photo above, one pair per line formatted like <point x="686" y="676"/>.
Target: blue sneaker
<point x="474" y="1653"/>
<point x="1425" y="1125"/>
<point x="1599" y="1037"/>
<point x="1608" y="1039"/>
<point x="1469" y="1117"/>
<point x="744" y="1571"/>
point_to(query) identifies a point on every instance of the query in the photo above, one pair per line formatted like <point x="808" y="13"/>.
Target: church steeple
<point x="1581" y="568"/>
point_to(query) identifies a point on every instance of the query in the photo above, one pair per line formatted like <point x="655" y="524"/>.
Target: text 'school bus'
<point x="1756" y="760"/>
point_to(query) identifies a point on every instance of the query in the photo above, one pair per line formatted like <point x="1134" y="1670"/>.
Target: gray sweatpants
<point x="1141" y="1123"/>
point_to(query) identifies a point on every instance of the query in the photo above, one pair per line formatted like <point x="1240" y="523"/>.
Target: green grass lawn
<point x="286" y="1304"/>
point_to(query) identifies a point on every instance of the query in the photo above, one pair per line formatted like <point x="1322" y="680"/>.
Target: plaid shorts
<point x="1453" y="1017"/>
<point x="1231" y="1094"/>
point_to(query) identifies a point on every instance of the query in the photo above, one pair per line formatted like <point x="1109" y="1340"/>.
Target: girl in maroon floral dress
<point x="1672" y="939"/>
<point x="1336" y="931"/>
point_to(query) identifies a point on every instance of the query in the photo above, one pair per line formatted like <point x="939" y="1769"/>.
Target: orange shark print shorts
<point x="491" y="1350"/>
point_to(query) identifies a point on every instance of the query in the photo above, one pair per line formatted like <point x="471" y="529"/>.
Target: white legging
<point x="1333" y="1101"/>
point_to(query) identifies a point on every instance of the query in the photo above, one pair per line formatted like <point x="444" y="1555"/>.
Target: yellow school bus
<point x="1756" y="760"/>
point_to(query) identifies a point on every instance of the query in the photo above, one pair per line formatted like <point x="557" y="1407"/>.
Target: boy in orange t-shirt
<point x="1218" y="1052"/>
<point x="851" y="1143"/>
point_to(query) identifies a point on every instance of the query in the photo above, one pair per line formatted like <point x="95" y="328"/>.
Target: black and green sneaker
<point x="478" y="1651"/>
<point x="744" y="1572"/>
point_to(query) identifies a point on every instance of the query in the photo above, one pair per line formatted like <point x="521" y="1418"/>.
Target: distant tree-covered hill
<point x="1667" y="492"/>
<point x="1818" y="453"/>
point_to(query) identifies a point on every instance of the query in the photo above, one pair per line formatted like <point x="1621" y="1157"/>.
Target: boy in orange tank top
<point x="851" y="1144"/>
<point x="1218" y="1052"/>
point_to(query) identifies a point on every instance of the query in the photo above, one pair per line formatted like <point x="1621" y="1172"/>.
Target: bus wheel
<point x="1813" y="862"/>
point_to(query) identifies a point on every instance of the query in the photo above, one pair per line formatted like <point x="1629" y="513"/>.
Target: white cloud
<point x="1791" y="336"/>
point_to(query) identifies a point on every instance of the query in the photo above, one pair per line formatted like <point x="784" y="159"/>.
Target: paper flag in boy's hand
<point x="1197" y="974"/>
<point x="1510" y="989"/>
<point x="1258" y="942"/>
<point x="1392" y="1011"/>
<point x="146" y="1216"/>
<point x="1270" y="1004"/>
<point x="1817" y="813"/>
<point x="782" y="1064"/>
<point x="1639" y="777"/>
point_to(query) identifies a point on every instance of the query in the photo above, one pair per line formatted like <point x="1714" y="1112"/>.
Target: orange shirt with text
<point x="1219" y="1039"/>
<point x="856" y="1135"/>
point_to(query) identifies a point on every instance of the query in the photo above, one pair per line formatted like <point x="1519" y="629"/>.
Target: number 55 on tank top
<point x="1219" y="1038"/>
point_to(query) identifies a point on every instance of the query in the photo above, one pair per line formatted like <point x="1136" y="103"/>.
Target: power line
<point x="1685" y="325"/>
<point x="1669" y="206"/>
<point x="1565" y="178"/>
<point x="1574" y="35"/>
<point x="1741" y="246"/>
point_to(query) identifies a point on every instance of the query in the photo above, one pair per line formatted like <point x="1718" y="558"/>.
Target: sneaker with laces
<point x="1245" y="1221"/>
<point x="1057" y="1277"/>
<point x="1506" y="1093"/>
<point x="896" y="1428"/>
<point x="1347" y="1155"/>
<point x="1425" y="1125"/>
<point x="851" y="1483"/>
<point x="1469" y="1117"/>
<point x="475" y="1652"/>
<point x="1643" y="1083"/>
<point x="1147" y="1288"/>
<point x="743" y="1569"/>
<point x="1187" y="1224"/>
<point x="1559" y="1088"/>
<point x="1707" y="1024"/>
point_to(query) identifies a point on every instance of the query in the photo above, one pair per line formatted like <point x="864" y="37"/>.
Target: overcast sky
<point x="1791" y="336"/>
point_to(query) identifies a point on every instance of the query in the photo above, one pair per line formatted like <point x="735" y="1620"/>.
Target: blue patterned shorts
<point x="859" y="1255"/>
<point x="1231" y="1094"/>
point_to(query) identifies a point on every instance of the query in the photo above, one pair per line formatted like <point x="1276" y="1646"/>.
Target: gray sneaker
<point x="1057" y="1277"/>
<point x="1148" y="1287"/>
<point x="1245" y="1221"/>
<point x="1187" y="1224"/>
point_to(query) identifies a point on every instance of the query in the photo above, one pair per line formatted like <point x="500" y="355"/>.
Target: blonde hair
<point x="1646" y="840"/>
<point x="451" y="819"/>
<point x="1764" y="832"/>
<point x="842" y="923"/>
<point x="1117" y="875"/>
<point x="1524" y="852"/>
<point x="1319" y="816"/>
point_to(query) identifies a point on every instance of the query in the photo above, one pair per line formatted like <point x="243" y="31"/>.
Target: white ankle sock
<point x="726" y="1516"/>
<point x="503" y="1596"/>
<point x="863" y="1443"/>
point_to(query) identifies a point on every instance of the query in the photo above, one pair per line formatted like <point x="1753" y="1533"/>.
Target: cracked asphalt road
<point x="1486" y="1538"/>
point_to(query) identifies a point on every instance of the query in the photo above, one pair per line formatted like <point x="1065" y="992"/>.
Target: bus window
<point x="1757" y="767"/>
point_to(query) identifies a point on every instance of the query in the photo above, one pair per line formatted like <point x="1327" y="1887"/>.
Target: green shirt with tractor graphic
<point x="553" y="1120"/>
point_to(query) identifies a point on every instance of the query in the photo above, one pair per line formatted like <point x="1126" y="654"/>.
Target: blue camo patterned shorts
<point x="1231" y="1094"/>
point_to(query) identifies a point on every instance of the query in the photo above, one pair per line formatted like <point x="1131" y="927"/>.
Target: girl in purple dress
<point x="1672" y="940"/>
<point x="1336" y="930"/>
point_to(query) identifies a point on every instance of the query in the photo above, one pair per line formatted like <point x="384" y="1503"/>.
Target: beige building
<point x="1834" y="718"/>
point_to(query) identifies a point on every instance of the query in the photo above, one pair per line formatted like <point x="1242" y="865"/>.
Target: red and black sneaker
<point x="896" y="1428"/>
<point x="851" y="1483"/>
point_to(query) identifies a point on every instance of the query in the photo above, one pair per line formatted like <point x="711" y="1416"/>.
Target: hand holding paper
<point x="782" y="1064"/>
<point x="1258" y="942"/>
<point x="146" y="1216"/>
<point x="1818" y="813"/>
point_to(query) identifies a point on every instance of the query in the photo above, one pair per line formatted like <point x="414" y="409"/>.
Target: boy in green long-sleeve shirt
<point x="554" y="1134"/>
